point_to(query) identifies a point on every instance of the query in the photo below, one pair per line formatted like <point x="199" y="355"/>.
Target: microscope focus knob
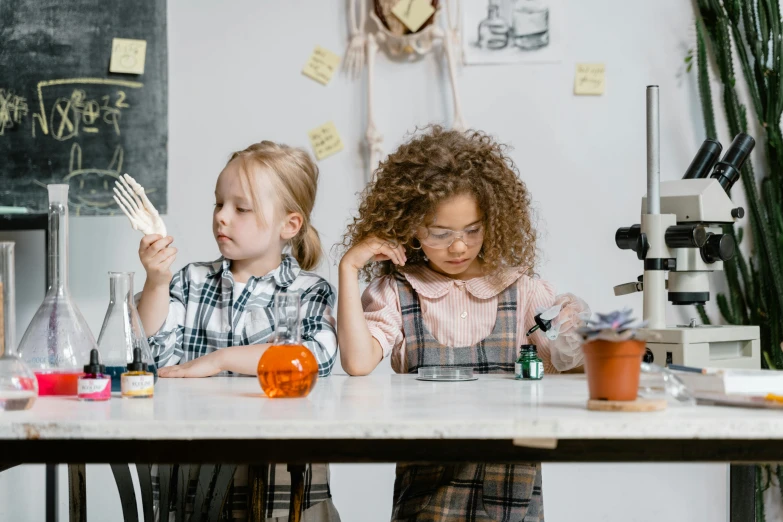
<point x="626" y="238"/>
<point x="642" y="247"/>
<point x="738" y="213"/>
<point x="686" y="236"/>
<point x="632" y="238"/>
<point x="719" y="247"/>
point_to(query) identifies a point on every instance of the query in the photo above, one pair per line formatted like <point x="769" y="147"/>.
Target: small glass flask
<point x="122" y="331"/>
<point x="287" y="368"/>
<point x="18" y="386"/>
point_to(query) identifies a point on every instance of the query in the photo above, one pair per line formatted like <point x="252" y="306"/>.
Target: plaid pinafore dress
<point x="466" y="491"/>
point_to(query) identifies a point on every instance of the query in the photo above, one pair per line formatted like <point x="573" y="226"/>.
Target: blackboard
<point x="64" y="118"/>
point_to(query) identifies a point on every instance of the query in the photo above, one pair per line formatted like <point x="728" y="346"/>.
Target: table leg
<point x="297" y="472"/>
<point x="77" y="485"/>
<point x="742" y="493"/>
<point x="51" y="493"/>
<point x="256" y="492"/>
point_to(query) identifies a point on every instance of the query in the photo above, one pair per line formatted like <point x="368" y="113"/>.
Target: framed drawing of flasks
<point x="512" y="31"/>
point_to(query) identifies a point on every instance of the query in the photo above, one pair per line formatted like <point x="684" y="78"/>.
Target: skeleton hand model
<point x="135" y="204"/>
<point x="364" y="45"/>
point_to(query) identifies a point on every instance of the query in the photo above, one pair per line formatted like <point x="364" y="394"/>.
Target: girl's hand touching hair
<point x="370" y="250"/>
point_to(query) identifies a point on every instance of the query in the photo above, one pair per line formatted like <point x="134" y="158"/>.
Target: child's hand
<point x="157" y="257"/>
<point x="373" y="249"/>
<point x="204" y="366"/>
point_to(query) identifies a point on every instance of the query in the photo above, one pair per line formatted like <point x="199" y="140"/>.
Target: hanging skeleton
<point x="386" y="30"/>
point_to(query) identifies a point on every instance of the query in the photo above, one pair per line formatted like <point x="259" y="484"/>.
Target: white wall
<point x="235" y="79"/>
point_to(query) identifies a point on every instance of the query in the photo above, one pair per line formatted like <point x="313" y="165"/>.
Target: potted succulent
<point x="613" y="356"/>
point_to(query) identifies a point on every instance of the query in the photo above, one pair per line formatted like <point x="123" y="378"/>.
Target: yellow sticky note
<point x="413" y="13"/>
<point x="321" y="65"/>
<point x="325" y="140"/>
<point x="127" y="56"/>
<point x="590" y="78"/>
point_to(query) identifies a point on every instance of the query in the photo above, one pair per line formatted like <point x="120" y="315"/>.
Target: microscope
<point x="681" y="233"/>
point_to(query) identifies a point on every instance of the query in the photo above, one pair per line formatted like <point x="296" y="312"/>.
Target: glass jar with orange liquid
<point x="287" y="368"/>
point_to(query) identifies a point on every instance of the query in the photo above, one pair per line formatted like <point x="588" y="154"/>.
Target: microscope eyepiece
<point x="727" y="171"/>
<point x="705" y="159"/>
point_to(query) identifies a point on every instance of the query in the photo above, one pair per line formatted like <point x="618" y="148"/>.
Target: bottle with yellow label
<point x="137" y="382"/>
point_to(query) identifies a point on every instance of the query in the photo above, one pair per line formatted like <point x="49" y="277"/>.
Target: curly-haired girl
<point x="444" y="234"/>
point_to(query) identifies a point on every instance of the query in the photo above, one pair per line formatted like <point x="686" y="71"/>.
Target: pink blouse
<point x="462" y="313"/>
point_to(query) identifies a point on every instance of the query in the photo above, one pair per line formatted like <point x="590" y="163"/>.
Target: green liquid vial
<point x="529" y="366"/>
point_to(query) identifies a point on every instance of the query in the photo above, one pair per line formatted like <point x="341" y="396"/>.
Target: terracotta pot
<point x="613" y="369"/>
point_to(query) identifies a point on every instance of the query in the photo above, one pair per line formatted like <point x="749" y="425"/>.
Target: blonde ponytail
<point x="306" y="247"/>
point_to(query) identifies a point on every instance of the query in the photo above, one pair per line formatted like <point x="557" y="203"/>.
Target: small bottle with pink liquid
<point x="94" y="384"/>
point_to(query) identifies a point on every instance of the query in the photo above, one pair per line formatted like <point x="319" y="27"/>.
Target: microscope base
<point x="705" y="346"/>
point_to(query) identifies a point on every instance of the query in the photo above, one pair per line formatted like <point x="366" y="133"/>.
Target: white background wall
<point x="234" y="78"/>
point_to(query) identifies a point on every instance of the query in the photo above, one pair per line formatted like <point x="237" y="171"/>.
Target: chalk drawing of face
<point x="91" y="188"/>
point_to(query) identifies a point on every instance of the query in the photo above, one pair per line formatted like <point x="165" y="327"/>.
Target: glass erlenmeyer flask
<point x="58" y="341"/>
<point x="287" y="368"/>
<point x="18" y="387"/>
<point x="122" y="331"/>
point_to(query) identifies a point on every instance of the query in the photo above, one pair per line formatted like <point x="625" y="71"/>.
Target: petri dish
<point x="444" y="373"/>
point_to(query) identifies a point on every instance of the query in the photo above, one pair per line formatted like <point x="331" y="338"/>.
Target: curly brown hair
<point x="431" y="167"/>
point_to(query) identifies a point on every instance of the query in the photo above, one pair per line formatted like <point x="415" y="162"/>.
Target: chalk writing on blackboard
<point x="67" y="114"/>
<point x="91" y="186"/>
<point x="66" y="117"/>
<point x="13" y="109"/>
<point x="57" y="89"/>
<point x="68" y="109"/>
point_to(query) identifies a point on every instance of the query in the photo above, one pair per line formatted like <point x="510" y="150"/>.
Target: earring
<point x="414" y="247"/>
